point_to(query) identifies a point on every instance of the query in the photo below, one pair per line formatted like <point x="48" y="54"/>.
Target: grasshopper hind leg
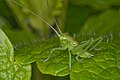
<point x="98" y="40"/>
<point x="85" y="52"/>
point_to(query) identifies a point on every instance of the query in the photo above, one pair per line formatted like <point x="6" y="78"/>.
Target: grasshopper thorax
<point x="67" y="41"/>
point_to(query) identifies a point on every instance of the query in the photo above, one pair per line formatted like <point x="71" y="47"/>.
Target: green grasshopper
<point x="67" y="42"/>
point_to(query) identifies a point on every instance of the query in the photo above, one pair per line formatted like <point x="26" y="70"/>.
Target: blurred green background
<point x="101" y="17"/>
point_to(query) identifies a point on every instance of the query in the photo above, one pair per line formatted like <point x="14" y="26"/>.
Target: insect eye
<point x="74" y="44"/>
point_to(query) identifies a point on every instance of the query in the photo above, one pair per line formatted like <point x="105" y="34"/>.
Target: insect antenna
<point x="53" y="17"/>
<point x="36" y="16"/>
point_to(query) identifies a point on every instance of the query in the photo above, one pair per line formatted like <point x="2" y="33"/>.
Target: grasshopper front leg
<point x="60" y="48"/>
<point x="55" y="49"/>
<point x="70" y="61"/>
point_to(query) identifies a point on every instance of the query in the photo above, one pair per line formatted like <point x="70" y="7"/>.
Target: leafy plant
<point x="10" y="69"/>
<point x="104" y="65"/>
<point x="83" y="16"/>
<point x="105" y="59"/>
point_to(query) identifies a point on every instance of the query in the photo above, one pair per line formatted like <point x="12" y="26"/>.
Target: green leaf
<point x="38" y="51"/>
<point x="104" y="66"/>
<point x="28" y="52"/>
<point x="106" y="59"/>
<point x="103" y="23"/>
<point x="57" y="65"/>
<point x="9" y="69"/>
<point x="96" y="4"/>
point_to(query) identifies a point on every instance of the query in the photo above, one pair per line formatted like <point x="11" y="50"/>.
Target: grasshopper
<point x="67" y="42"/>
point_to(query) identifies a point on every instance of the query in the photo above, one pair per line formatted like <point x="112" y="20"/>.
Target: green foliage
<point x="27" y="20"/>
<point x="14" y="33"/>
<point x="95" y="16"/>
<point x="9" y="69"/>
<point x="83" y="16"/>
<point x="96" y="4"/>
<point x="102" y="66"/>
<point x="75" y="18"/>
<point x="33" y="50"/>
<point x="4" y="8"/>
<point x="107" y="21"/>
